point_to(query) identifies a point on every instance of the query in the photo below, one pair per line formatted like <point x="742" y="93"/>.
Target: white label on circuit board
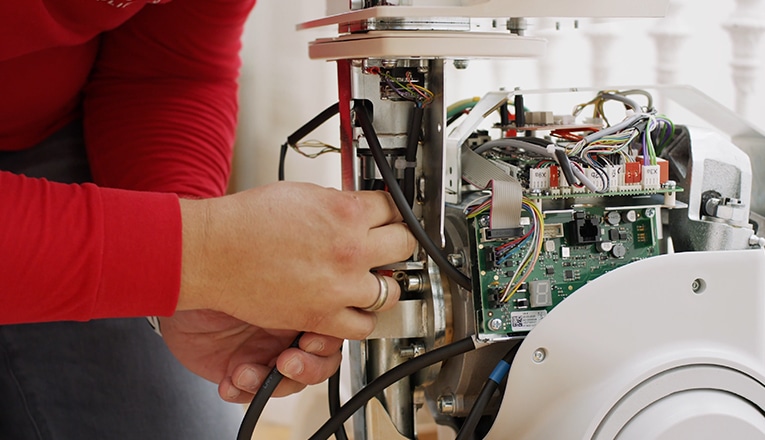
<point x="526" y="320"/>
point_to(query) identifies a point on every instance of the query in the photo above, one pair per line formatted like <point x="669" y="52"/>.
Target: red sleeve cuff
<point x="141" y="262"/>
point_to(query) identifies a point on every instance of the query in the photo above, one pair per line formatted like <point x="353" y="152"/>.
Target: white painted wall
<point x="281" y="89"/>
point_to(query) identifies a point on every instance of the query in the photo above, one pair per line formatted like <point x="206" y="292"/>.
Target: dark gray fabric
<point x="60" y="158"/>
<point x="105" y="379"/>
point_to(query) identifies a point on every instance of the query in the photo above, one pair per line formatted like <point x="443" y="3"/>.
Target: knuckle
<point x="365" y="328"/>
<point x="348" y="251"/>
<point x="348" y="207"/>
<point x="409" y="242"/>
<point x="402" y="241"/>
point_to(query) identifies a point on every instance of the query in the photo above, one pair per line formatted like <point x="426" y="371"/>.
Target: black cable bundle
<point x="402" y="204"/>
<point x="467" y="431"/>
<point x="412" y="141"/>
<point x="388" y="378"/>
<point x="333" y="388"/>
<point x="260" y="399"/>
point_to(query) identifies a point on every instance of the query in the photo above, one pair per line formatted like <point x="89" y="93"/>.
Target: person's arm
<point x="78" y="252"/>
<point x="160" y="114"/>
<point x="161" y="105"/>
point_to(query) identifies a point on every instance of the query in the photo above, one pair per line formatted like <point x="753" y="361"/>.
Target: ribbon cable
<point x="507" y="193"/>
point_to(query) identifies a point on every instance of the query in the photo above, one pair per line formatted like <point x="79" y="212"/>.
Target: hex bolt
<point x="446" y="404"/>
<point x="698" y="286"/>
<point x="456" y="260"/>
<point x="412" y="351"/>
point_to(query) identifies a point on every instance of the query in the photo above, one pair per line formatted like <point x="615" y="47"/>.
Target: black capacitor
<point x="504" y="116"/>
<point x="520" y="114"/>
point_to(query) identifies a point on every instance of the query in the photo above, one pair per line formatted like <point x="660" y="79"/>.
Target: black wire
<point x="565" y="165"/>
<point x="467" y="431"/>
<point x="282" y="157"/>
<point x="333" y="391"/>
<point x="406" y="211"/>
<point x="453" y="118"/>
<point x="602" y="175"/>
<point x="303" y="131"/>
<point x="387" y="379"/>
<point x="412" y="142"/>
<point x="534" y="140"/>
<point x="260" y="399"/>
<point x="311" y="125"/>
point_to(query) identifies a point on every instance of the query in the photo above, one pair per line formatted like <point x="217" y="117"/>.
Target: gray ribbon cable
<point x="507" y="194"/>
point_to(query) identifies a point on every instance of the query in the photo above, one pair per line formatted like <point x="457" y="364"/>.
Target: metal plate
<point x="404" y="44"/>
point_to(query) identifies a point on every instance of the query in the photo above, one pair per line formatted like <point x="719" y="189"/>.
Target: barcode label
<point x="526" y="320"/>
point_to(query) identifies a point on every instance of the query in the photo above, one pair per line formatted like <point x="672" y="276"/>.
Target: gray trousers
<point x="104" y="379"/>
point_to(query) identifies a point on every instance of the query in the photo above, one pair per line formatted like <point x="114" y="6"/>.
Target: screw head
<point x="539" y="356"/>
<point x="495" y="324"/>
<point x="698" y="286"/>
<point x="446" y="404"/>
<point x="456" y="260"/>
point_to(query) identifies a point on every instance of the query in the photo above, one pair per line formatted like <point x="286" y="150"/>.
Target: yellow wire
<point x="513" y="287"/>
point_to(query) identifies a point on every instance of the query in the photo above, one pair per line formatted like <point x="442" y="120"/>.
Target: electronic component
<point x="554" y="230"/>
<point x="589" y="244"/>
<point x="400" y="83"/>
<point x="589" y="192"/>
<point x="584" y="229"/>
<point x="539" y="293"/>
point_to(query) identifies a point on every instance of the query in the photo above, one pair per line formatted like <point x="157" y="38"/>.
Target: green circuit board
<point x="579" y="245"/>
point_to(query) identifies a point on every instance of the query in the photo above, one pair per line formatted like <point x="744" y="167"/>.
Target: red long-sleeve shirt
<point x="155" y="85"/>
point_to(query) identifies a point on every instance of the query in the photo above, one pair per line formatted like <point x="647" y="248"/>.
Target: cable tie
<point x="401" y="164"/>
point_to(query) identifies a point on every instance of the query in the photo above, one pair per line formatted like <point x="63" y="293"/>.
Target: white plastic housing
<point x="671" y="347"/>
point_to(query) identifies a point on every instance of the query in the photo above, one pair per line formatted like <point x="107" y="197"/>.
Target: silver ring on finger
<point x="382" y="295"/>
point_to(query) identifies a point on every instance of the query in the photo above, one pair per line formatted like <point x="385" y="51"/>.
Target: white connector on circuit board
<point x="651" y="178"/>
<point x="539" y="178"/>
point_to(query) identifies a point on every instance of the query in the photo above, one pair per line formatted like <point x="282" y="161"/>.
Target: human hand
<point x="292" y="256"/>
<point x="238" y="356"/>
